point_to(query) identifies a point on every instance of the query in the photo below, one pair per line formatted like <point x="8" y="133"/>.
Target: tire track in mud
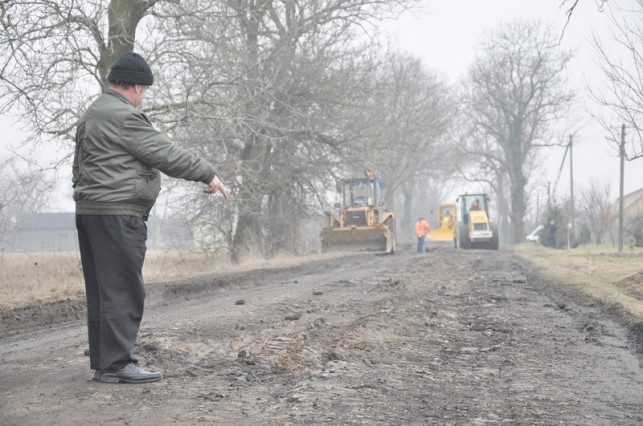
<point x="450" y="337"/>
<point x="465" y="341"/>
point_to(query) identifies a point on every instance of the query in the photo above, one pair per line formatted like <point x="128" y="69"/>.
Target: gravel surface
<point x="447" y="337"/>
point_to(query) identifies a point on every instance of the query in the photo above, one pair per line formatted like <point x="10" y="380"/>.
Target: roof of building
<point x="632" y="198"/>
<point x="47" y="221"/>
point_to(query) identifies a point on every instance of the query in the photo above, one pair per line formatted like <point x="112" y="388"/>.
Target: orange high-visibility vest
<point x="421" y="228"/>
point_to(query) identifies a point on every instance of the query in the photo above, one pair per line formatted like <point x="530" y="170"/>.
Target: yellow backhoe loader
<point x="360" y="221"/>
<point x="473" y="228"/>
<point x="445" y="230"/>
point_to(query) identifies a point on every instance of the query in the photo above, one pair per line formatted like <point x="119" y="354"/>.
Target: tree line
<point x="285" y="97"/>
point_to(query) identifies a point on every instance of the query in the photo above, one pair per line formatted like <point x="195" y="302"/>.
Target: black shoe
<point x="131" y="374"/>
<point x="97" y="376"/>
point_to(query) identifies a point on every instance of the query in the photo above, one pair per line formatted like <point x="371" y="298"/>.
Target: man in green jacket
<point x="116" y="181"/>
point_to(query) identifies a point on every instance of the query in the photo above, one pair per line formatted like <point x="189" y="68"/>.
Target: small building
<point x="46" y="232"/>
<point x="633" y="217"/>
<point x="42" y="232"/>
<point x="633" y="204"/>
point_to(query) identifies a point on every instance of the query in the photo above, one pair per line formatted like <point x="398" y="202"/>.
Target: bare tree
<point x="267" y="89"/>
<point x="55" y="56"/>
<point x="406" y="118"/>
<point x="287" y="80"/>
<point x="23" y="190"/>
<point x="599" y="211"/>
<point x="514" y="92"/>
<point x="621" y="58"/>
<point x="475" y="155"/>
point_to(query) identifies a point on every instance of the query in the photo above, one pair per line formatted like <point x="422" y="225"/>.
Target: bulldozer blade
<point x="354" y="239"/>
<point x="440" y="235"/>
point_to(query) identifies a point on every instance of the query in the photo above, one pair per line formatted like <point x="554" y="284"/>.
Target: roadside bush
<point x="634" y="227"/>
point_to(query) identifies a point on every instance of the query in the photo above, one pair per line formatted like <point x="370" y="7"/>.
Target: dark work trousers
<point x="420" y="247"/>
<point x="112" y="251"/>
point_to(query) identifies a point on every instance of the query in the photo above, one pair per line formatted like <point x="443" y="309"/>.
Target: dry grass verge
<point x="27" y="278"/>
<point x="612" y="278"/>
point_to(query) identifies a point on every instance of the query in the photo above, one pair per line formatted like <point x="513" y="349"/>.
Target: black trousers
<point x="112" y="252"/>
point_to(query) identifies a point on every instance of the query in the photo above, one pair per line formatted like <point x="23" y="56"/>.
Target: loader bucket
<point x="354" y="239"/>
<point x="441" y="234"/>
<point x="445" y="230"/>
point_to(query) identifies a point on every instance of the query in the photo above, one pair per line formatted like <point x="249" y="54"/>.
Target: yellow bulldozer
<point x="445" y="230"/>
<point x="360" y="221"/>
<point x="473" y="228"/>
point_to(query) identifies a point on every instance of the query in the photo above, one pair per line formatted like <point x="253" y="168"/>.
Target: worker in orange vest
<point x="421" y="229"/>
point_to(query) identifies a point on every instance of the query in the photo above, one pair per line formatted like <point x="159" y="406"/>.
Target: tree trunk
<point x="517" y="208"/>
<point x="503" y="209"/>
<point x="620" y="189"/>
<point x="406" y="221"/>
<point x="250" y="157"/>
<point x="123" y="17"/>
<point x="250" y="197"/>
<point x="243" y="236"/>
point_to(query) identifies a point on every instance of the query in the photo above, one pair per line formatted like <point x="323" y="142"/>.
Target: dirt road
<point x="448" y="337"/>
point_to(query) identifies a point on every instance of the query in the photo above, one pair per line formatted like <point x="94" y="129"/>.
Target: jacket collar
<point x="117" y="94"/>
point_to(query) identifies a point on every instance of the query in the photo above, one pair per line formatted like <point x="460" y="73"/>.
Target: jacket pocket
<point x="148" y="185"/>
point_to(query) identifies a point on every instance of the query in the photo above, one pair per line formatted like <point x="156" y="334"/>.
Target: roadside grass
<point x="27" y="278"/>
<point x="598" y="271"/>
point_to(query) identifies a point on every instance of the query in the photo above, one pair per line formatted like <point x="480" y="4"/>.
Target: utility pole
<point x="620" y="193"/>
<point x="548" y="196"/>
<point x="571" y="187"/>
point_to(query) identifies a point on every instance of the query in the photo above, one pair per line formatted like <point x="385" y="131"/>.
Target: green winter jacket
<point x="118" y="157"/>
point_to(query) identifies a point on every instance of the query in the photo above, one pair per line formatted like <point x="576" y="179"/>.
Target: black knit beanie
<point x="131" y="68"/>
